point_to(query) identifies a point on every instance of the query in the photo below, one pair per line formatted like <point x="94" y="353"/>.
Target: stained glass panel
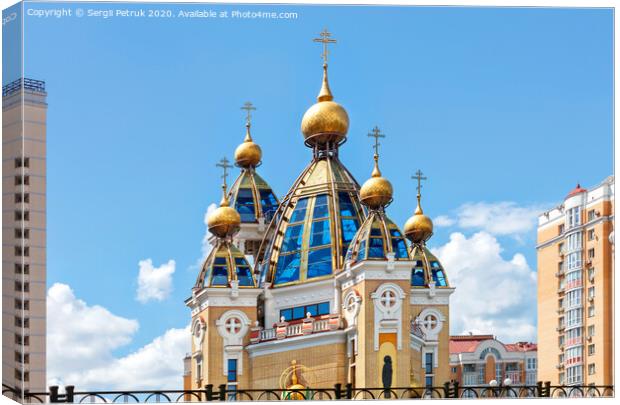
<point x="376" y="248"/>
<point x="417" y="277"/>
<point x="319" y="262"/>
<point x="245" y="205"/>
<point x="320" y="234"/>
<point x="347" y="209"/>
<point x="320" y="207"/>
<point x="292" y="238"/>
<point x="288" y="268"/>
<point x="299" y="213"/>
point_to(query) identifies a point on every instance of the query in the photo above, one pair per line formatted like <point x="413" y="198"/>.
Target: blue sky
<point x="493" y="104"/>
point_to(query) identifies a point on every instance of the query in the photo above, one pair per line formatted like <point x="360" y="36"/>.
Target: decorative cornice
<point x="296" y="343"/>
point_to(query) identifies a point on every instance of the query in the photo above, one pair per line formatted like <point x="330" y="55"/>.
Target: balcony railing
<point x="338" y="392"/>
<point x="285" y="329"/>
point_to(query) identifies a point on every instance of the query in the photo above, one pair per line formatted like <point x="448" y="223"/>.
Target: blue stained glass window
<point x="323" y="308"/>
<point x="244" y="275"/>
<point x="220" y="260"/>
<point x="268" y="202"/>
<point x="349" y="228"/>
<point x="347" y="209"/>
<point x="298" y="313"/>
<point x="400" y="248"/>
<point x="320" y="233"/>
<point x="287" y="314"/>
<point x="288" y="268"/>
<point x="395" y="233"/>
<point x="299" y="213"/>
<point x="320" y="207"/>
<point x="245" y="205"/>
<point x="376" y="232"/>
<point x="313" y="309"/>
<point x="232" y="370"/>
<point x="220" y="273"/>
<point x="319" y="262"/>
<point x="361" y="254"/>
<point x="435" y="264"/>
<point x="417" y="277"/>
<point x="292" y="238"/>
<point x="376" y="248"/>
<point x="438" y="277"/>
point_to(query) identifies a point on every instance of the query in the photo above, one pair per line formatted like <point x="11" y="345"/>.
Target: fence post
<point x="209" y="392"/>
<point x="337" y="389"/>
<point x="53" y="393"/>
<point x="69" y="390"/>
<point x="539" y="388"/>
<point x="456" y="389"/>
<point x="548" y="388"/>
<point x="349" y="391"/>
<point x="446" y="390"/>
<point x="222" y="392"/>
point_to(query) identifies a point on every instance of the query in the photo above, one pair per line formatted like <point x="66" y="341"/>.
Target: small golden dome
<point x="326" y="121"/>
<point x="418" y="228"/>
<point x="377" y="191"/>
<point x="248" y="154"/>
<point x="224" y="221"/>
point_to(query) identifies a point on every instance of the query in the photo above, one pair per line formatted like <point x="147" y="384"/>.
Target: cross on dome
<point x="233" y="326"/>
<point x="419" y="176"/>
<point x="325" y="40"/>
<point x="376" y="133"/>
<point x="248" y="107"/>
<point x="225" y="165"/>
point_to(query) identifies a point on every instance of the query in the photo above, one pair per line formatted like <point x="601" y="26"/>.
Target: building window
<point x="429" y="381"/>
<point x="561" y="340"/>
<point x="291" y="314"/>
<point x="561" y="247"/>
<point x="591" y="292"/>
<point x="591" y="350"/>
<point x="22" y="215"/>
<point x="498" y="372"/>
<point x="561" y="378"/>
<point x="591" y="274"/>
<point x="591" y="253"/>
<point x="573" y="217"/>
<point x="591" y="311"/>
<point x="591" y="215"/>
<point x="591" y="369"/>
<point x="19" y="268"/>
<point x="560" y="229"/>
<point x="453" y="370"/>
<point x="19" y="162"/>
<point x="22" y="233"/>
<point x="591" y="330"/>
<point x="232" y="370"/>
<point x="590" y="234"/>
<point x="428" y="363"/>
<point x="199" y="368"/>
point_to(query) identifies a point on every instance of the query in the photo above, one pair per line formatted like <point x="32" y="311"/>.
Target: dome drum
<point x="224" y="265"/>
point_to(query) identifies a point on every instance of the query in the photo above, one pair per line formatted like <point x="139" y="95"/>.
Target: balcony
<point x="559" y="366"/>
<point x="22" y="188"/>
<point x="285" y="329"/>
<point x="560" y="328"/>
<point x="515" y="376"/>
<point x="560" y="310"/>
<point x="589" y="263"/>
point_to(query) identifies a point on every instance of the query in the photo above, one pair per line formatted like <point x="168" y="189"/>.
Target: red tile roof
<point x="576" y="191"/>
<point x="469" y="343"/>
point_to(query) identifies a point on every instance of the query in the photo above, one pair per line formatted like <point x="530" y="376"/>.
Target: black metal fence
<point x="338" y="392"/>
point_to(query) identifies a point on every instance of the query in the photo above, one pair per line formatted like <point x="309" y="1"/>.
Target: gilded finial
<point x="419" y="176"/>
<point x="376" y="133"/>
<point x="224" y="221"/>
<point x="376" y="193"/>
<point x="419" y="228"/>
<point x="225" y="165"/>
<point x="248" y="154"/>
<point x="325" y="94"/>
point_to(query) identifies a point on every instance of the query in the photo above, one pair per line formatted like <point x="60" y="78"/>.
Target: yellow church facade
<point x="317" y="287"/>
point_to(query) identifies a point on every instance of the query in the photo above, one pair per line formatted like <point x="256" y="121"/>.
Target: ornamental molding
<point x="351" y="305"/>
<point x="224" y="297"/>
<point x="388" y="301"/>
<point x="430" y="321"/>
<point x="310" y="293"/>
<point x="430" y="296"/>
<point x="296" y="343"/>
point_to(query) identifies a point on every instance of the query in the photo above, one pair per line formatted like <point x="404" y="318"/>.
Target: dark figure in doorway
<point x="386" y="375"/>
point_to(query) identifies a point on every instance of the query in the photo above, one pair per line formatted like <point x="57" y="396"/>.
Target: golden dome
<point x="377" y="191"/>
<point x="224" y="221"/>
<point x="418" y="228"/>
<point x="248" y="154"/>
<point x="326" y="121"/>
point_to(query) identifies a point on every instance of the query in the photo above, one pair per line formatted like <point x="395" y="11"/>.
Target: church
<point x="319" y="286"/>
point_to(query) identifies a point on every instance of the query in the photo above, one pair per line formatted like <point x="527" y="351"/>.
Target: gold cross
<point x="225" y="165"/>
<point x="248" y="107"/>
<point x="419" y="177"/>
<point x="376" y="133"/>
<point x="325" y="39"/>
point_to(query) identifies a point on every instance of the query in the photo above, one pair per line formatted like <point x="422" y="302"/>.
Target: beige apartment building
<point x="575" y="288"/>
<point x="24" y="111"/>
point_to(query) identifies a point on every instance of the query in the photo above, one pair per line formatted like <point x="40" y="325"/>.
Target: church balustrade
<point x="285" y="329"/>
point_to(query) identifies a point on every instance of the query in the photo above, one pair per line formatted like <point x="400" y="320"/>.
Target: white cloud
<point x="444" y="220"/>
<point x="154" y="283"/>
<point x="502" y="218"/>
<point x="81" y="339"/>
<point x="493" y="295"/>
